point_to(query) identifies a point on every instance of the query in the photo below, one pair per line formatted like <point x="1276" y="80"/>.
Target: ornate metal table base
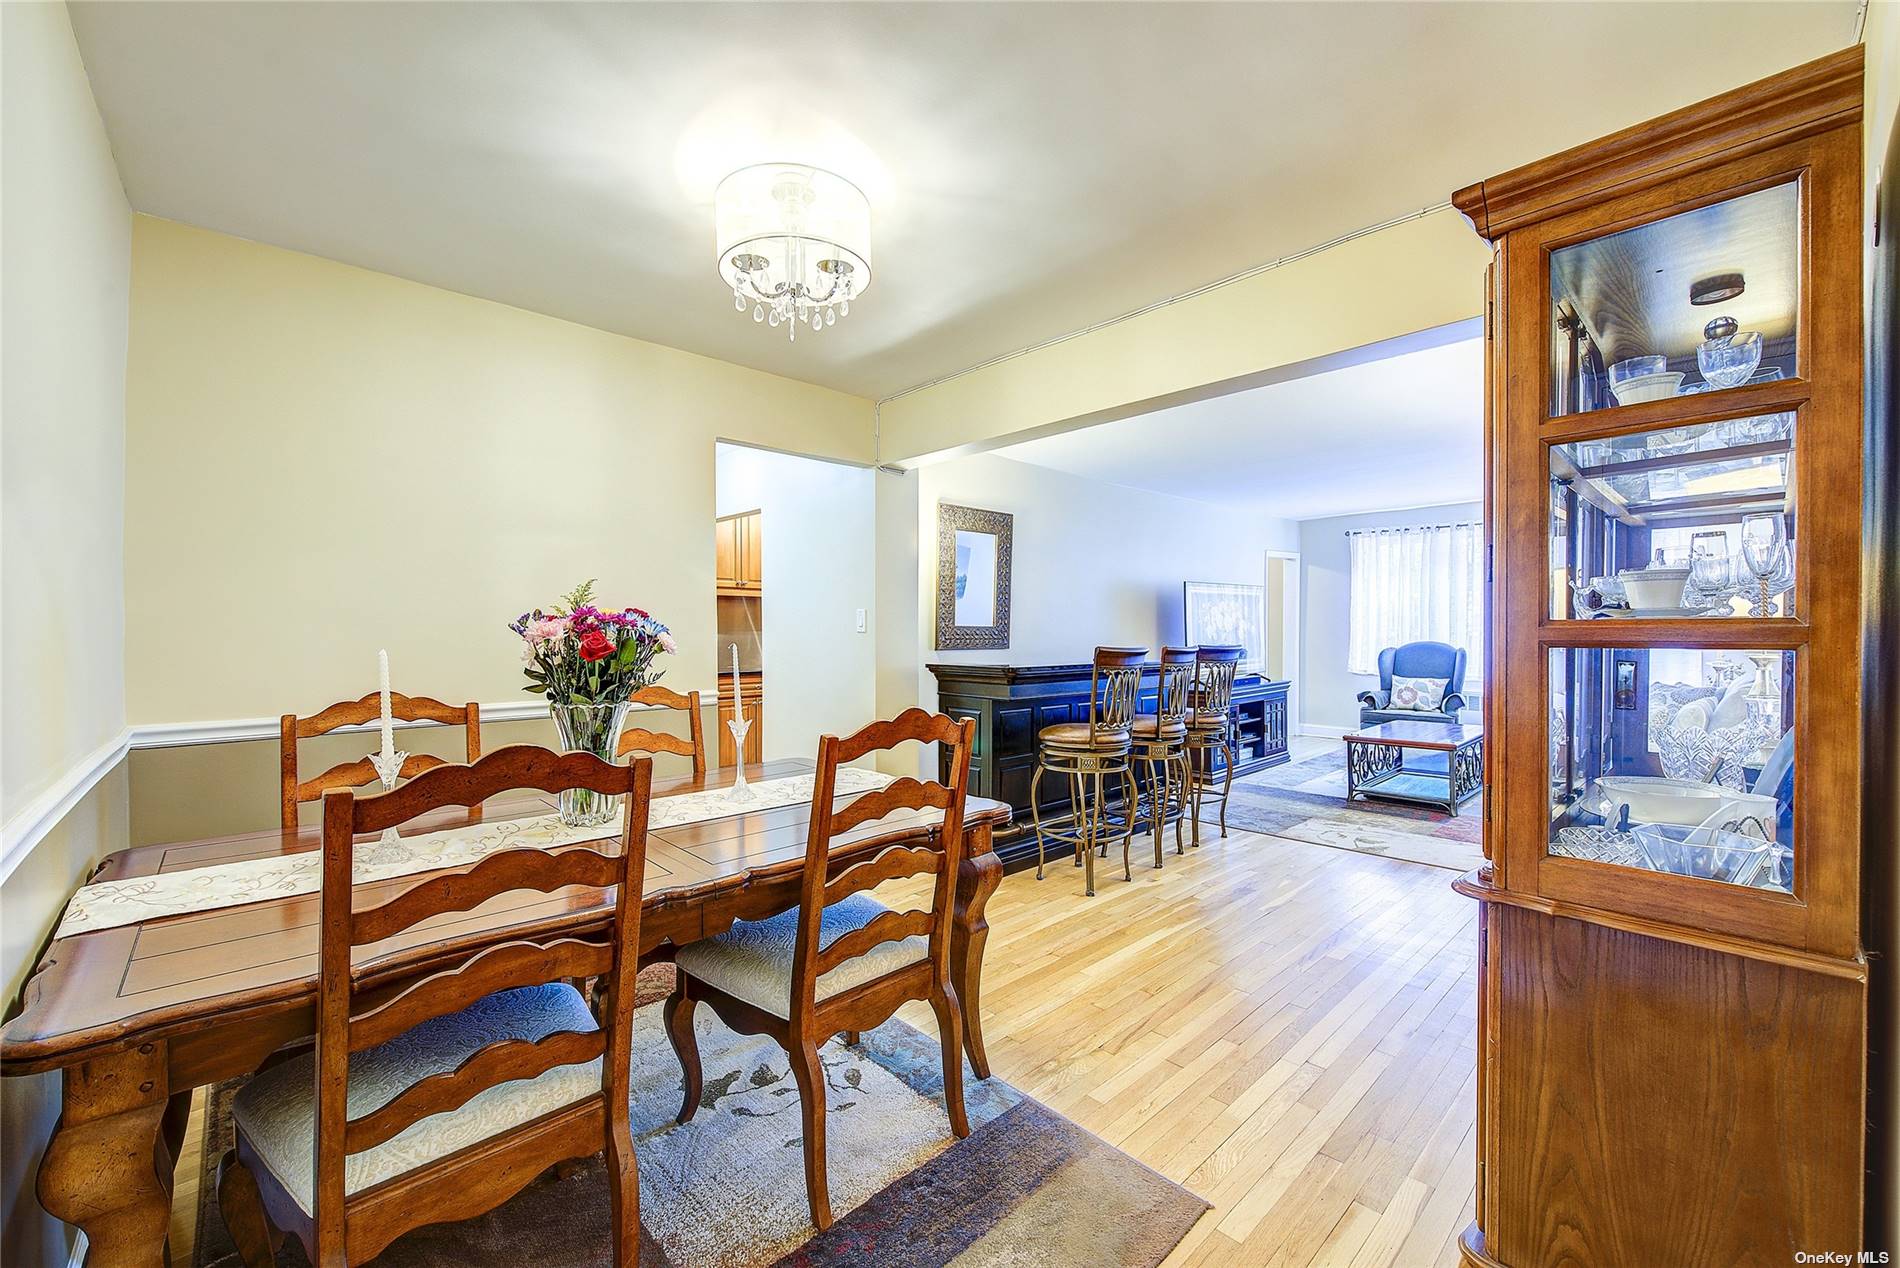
<point x="1376" y="767"/>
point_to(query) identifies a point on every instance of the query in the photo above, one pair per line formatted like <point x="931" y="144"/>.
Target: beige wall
<point x="65" y="233"/>
<point x="65" y="242"/>
<point x="1415" y="276"/>
<point x="1882" y="113"/>
<point x="324" y="461"/>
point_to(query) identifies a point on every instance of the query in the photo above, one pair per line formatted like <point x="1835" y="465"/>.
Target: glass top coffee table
<point x="1429" y="763"/>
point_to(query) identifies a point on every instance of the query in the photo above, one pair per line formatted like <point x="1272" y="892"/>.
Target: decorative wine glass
<point x="1709" y="566"/>
<point x="1764" y="550"/>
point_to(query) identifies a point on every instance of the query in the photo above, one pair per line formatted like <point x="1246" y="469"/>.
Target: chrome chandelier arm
<point x="748" y="282"/>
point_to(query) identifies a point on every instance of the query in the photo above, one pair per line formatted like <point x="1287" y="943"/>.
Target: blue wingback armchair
<point x="1415" y="660"/>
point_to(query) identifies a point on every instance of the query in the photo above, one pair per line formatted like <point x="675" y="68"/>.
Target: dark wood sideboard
<point x="1011" y="703"/>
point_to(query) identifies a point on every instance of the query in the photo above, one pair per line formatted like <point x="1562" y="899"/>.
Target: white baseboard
<point x="1322" y="732"/>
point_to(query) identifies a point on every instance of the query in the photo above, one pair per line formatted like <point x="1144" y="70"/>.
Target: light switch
<point x="860" y="620"/>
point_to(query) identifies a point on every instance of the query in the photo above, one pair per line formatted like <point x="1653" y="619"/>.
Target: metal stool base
<point x="1088" y="819"/>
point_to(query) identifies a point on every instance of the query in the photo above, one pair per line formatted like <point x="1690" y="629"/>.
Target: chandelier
<point x="794" y="243"/>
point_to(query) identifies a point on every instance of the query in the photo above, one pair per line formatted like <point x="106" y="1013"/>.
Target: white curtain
<point x="1410" y="584"/>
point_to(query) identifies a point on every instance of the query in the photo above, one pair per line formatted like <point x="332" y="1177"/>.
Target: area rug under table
<point x="727" y="1190"/>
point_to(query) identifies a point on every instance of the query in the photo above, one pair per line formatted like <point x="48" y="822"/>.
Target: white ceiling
<point x="1405" y="430"/>
<point x="1032" y="168"/>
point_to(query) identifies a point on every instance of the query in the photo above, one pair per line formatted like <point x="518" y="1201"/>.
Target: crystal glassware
<point x="1708" y="566"/>
<point x="1764" y="550"/>
<point x="1636" y="368"/>
<point x="1726" y="358"/>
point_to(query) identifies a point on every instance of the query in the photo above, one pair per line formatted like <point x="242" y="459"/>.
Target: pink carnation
<point x="548" y="629"/>
<point x="666" y="643"/>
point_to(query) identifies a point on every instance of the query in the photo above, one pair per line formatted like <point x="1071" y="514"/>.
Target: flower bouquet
<point x="588" y="662"/>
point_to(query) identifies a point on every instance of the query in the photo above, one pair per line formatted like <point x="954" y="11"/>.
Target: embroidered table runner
<point x="109" y="904"/>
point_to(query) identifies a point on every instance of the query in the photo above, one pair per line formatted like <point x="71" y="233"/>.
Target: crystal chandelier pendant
<point x="794" y="244"/>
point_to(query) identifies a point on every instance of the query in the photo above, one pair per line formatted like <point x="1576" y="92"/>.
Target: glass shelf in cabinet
<point x="1696" y="521"/>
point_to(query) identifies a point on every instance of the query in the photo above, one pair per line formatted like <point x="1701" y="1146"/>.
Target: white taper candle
<point x="738" y="704"/>
<point x="382" y="684"/>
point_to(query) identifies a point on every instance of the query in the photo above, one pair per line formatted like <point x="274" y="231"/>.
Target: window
<point x="1413" y="584"/>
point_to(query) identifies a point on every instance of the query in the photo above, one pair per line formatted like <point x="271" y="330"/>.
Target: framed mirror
<point x="973" y="548"/>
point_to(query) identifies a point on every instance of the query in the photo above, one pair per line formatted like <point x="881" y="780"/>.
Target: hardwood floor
<point x="1286" y="1029"/>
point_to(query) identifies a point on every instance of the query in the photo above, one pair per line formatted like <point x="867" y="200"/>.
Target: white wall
<point x="65" y="238"/>
<point x="1328" y="691"/>
<point x="1093" y="564"/>
<point x="818" y="537"/>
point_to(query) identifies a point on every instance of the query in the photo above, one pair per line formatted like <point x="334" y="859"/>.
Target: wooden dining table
<point x="137" y="1016"/>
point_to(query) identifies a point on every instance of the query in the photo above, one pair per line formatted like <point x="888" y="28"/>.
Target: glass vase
<point x="589" y="728"/>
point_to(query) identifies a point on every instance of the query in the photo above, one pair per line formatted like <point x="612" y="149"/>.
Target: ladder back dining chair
<point x="640" y="740"/>
<point x="1210" y="728"/>
<point x="437" y="1099"/>
<point x="1088" y="753"/>
<point x="293" y="792"/>
<point x="841" y="961"/>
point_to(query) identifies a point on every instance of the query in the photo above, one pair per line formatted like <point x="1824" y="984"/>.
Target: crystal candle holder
<point x="388" y="771"/>
<point x="739" y="727"/>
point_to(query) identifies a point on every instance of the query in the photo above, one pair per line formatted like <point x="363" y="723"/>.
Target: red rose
<point x="596" y="646"/>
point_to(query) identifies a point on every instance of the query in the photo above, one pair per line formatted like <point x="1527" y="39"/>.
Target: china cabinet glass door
<point x="1674" y="477"/>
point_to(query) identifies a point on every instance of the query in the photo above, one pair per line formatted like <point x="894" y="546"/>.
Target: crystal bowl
<point x="1681" y="802"/>
<point x="1729" y="363"/>
<point x="1707" y="853"/>
<point x="1636" y="368"/>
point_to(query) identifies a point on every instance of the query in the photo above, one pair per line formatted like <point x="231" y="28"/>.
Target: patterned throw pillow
<point x="1419" y="695"/>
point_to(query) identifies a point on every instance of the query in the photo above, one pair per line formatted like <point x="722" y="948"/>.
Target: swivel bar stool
<point x="1160" y="744"/>
<point x="1093" y="750"/>
<point x="1209" y="729"/>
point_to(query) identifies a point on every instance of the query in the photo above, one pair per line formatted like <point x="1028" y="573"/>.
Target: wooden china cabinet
<point x="1673" y="993"/>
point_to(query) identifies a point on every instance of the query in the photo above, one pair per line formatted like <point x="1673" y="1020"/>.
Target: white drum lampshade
<point x="794" y="243"/>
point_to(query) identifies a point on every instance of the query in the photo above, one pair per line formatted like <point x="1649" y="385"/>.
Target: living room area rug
<point x="1305" y="800"/>
<point x="727" y="1190"/>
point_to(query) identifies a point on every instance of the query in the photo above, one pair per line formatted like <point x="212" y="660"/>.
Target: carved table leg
<point x="108" y="1168"/>
<point x="978" y="875"/>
